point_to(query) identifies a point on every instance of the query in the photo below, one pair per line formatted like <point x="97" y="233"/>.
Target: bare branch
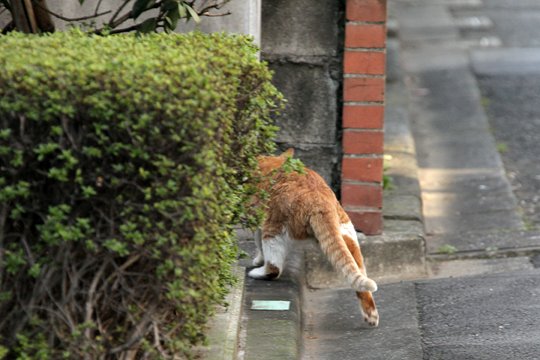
<point x="118" y="11"/>
<point x="98" y="5"/>
<point x="207" y="14"/>
<point x="120" y="31"/>
<point x="27" y="249"/>
<point x="157" y="340"/>
<point x="132" y="259"/>
<point x="113" y="23"/>
<point x="217" y="5"/>
<point x="65" y="126"/>
<point x="138" y="331"/>
<point x="89" y="306"/>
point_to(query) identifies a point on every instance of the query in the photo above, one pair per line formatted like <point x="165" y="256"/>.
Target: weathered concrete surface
<point x="459" y="164"/>
<point x="506" y="61"/>
<point x="393" y="256"/>
<point x="224" y="327"/>
<point x="478" y="241"/>
<point x="512" y="106"/>
<point x="514" y="21"/>
<point x="402" y="197"/>
<point x="334" y="329"/>
<point x="470" y="267"/>
<point x="310" y="113"/>
<point x="482" y="317"/>
<point x="427" y="22"/>
<point x="300" y="27"/>
<point x="268" y="335"/>
<point x="494" y="316"/>
<point x="271" y="334"/>
<point x="402" y="207"/>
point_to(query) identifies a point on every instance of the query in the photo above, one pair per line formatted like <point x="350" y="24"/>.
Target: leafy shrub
<point x="124" y="161"/>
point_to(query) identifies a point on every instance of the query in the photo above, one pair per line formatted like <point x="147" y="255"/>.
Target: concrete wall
<point x="302" y="41"/>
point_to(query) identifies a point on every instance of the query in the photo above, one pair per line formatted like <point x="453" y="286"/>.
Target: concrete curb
<point x="224" y="327"/>
<point x="269" y="334"/>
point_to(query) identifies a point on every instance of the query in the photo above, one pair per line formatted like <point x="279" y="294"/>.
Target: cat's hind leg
<point x="259" y="256"/>
<point x="275" y="250"/>
<point x="367" y="304"/>
<point x="368" y="308"/>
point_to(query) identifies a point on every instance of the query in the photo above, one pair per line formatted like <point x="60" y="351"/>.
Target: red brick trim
<point x="364" y="62"/>
<point x="363" y="142"/>
<point x="365" y="35"/>
<point x="363" y="89"/>
<point x="362" y="169"/>
<point x="369" y="221"/>
<point x="363" y="113"/>
<point x="363" y="116"/>
<point x="366" y="10"/>
<point x="361" y="195"/>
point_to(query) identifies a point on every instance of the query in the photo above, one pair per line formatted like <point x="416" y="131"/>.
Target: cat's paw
<point x="258" y="273"/>
<point x="372" y="318"/>
<point x="265" y="272"/>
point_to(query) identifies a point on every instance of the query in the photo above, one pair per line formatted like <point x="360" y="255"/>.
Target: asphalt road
<point x="510" y="87"/>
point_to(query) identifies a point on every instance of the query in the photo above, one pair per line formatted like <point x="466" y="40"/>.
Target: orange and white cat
<point x="302" y="206"/>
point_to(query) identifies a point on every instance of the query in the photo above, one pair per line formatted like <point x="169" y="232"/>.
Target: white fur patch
<point x="348" y="229"/>
<point x="259" y="258"/>
<point x="258" y="273"/>
<point x="372" y="319"/>
<point x="275" y="250"/>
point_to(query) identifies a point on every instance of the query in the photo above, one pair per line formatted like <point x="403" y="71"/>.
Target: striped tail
<point x="326" y="229"/>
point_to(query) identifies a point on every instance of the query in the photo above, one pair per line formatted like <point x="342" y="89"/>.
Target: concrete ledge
<point x="267" y="334"/>
<point x="224" y="327"/>
<point x="272" y="334"/>
<point x="390" y="257"/>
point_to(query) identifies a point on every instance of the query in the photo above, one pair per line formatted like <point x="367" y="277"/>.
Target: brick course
<point x="362" y="169"/>
<point x="361" y="195"/>
<point x="361" y="89"/>
<point x="366" y="10"/>
<point x="363" y="113"/>
<point x="363" y="142"/>
<point x="365" y="35"/>
<point x="364" y="62"/>
<point x="363" y="116"/>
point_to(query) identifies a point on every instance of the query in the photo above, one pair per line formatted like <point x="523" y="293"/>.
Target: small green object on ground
<point x="272" y="305"/>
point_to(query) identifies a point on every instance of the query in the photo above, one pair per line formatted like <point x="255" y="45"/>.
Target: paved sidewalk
<point x="481" y="298"/>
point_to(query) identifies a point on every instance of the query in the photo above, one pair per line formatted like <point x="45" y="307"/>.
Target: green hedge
<point x="124" y="160"/>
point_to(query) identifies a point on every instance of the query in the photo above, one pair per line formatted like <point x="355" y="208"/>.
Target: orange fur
<point x="302" y="206"/>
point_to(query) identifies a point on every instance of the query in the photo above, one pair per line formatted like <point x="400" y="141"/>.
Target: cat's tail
<point x="326" y="229"/>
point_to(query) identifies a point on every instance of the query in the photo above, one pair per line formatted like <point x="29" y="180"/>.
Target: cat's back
<point x="302" y="189"/>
